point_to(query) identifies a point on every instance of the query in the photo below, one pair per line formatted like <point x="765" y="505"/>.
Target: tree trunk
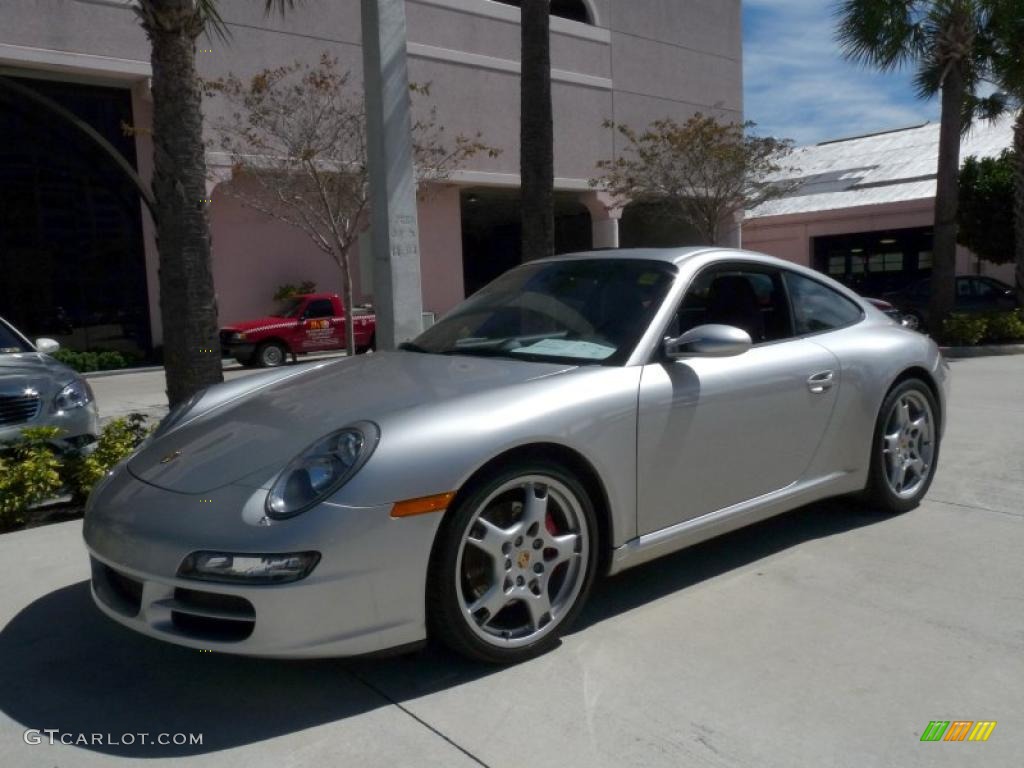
<point x="1018" y="146"/>
<point x="947" y="198"/>
<point x="536" y="159"/>
<point x="187" y="301"/>
<point x="346" y="295"/>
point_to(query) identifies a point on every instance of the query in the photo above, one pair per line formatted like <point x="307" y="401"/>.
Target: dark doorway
<point x="72" y="264"/>
<point x="574" y="10"/>
<point x="873" y="263"/>
<point x="655" y="225"/>
<point x="492" y="232"/>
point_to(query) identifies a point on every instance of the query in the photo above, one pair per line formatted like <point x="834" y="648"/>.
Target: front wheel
<point x="271" y="354"/>
<point x="905" y="449"/>
<point x="514" y="563"/>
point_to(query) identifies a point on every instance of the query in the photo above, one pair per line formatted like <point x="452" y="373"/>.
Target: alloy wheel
<point x="908" y="444"/>
<point x="522" y="561"/>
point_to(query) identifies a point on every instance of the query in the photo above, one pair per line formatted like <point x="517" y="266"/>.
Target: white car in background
<point x="38" y="391"/>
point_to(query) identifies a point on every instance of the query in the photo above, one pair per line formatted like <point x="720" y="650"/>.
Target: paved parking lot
<point x="830" y="636"/>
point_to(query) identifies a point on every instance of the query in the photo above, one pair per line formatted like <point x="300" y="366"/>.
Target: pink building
<point x="78" y="255"/>
<point x="864" y="207"/>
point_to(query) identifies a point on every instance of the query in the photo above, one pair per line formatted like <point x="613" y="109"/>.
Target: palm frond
<point x="885" y="34"/>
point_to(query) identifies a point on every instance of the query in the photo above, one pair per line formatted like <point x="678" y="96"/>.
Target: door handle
<point x="821" y="382"/>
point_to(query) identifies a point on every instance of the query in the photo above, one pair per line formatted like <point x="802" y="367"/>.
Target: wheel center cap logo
<point x="523" y="560"/>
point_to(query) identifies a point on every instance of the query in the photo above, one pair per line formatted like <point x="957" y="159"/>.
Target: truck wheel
<point x="271" y="354"/>
<point x="371" y="347"/>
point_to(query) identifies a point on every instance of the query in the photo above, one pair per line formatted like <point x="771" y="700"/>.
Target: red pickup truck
<point x="311" y="322"/>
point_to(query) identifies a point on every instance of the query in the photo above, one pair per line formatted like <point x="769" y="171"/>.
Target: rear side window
<point x="817" y="308"/>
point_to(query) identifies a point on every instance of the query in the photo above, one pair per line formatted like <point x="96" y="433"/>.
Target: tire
<point x="545" y="555"/>
<point x="271" y="354"/>
<point x="371" y="347"/>
<point x="905" y="445"/>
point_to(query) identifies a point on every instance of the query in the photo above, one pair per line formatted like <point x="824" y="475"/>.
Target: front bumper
<point x="79" y="427"/>
<point x="365" y="595"/>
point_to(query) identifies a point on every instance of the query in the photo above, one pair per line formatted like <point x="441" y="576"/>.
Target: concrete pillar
<point x="605" y="214"/>
<point x="397" y="294"/>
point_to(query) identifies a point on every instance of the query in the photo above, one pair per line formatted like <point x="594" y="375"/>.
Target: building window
<point x="574" y="10"/>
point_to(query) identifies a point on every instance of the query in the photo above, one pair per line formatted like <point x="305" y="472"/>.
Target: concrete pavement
<point x="830" y="636"/>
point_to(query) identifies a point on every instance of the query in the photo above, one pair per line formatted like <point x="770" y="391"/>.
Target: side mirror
<point x="47" y="346"/>
<point x="708" y="341"/>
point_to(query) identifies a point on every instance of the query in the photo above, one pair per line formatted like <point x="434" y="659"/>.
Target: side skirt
<point x="689" y="532"/>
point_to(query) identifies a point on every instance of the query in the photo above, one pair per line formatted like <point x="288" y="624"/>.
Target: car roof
<point x="670" y="255"/>
<point x="679" y="256"/>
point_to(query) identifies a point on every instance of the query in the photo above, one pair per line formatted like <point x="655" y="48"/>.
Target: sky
<point x="798" y="86"/>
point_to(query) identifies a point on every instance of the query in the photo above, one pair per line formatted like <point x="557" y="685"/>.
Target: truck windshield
<point x="583" y="311"/>
<point x="287" y="308"/>
<point x="10" y="342"/>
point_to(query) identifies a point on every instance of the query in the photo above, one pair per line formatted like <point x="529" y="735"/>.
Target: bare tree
<point x="297" y="141"/>
<point x="705" y="169"/>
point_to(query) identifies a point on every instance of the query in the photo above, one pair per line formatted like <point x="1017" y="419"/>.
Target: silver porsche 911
<point x="578" y="416"/>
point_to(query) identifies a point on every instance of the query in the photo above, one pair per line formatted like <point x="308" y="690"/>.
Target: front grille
<point x="17" y="409"/>
<point x="225" y="338"/>
<point x="211" y="616"/>
<point x="117" y="591"/>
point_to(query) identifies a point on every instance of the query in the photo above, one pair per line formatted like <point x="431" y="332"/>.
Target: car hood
<point x="263" y="323"/>
<point x="257" y="431"/>
<point x="31" y="370"/>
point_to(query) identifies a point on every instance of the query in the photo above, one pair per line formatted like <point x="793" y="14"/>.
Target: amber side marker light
<point x="422" y="506"/>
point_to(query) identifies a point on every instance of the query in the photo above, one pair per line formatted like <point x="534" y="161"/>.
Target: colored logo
<point x="958" y="730"/>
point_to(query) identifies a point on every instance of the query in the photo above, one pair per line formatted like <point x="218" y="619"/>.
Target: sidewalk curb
<point x="985" y="350"/>
<point x="227" y="363"/>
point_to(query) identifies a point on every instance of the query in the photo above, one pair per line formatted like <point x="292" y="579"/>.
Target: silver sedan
<point x="38" y="391"/>
<point x="578" y="416"/>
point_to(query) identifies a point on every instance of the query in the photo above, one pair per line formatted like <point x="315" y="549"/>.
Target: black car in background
<point x="974" y="293"/>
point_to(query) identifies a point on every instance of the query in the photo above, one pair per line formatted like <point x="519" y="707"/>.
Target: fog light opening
<point x="248" y="568"/>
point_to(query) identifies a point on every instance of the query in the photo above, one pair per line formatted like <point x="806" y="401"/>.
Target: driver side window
<point x="753" y="300"/>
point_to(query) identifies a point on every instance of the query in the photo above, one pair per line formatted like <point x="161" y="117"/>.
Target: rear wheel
<point x="905" y="448"/>
<point x="514" y="563"/>
<point x="271" y="354"/>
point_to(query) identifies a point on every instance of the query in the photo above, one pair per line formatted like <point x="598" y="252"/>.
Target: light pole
<point x="394" y="236"/>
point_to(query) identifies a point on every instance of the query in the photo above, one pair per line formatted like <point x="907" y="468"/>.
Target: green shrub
<point x="1005" y="326"/>
<point x="288" y="290"/>
<point x="96" y="360"/>
<point x="961" y="330"/>
<point x="33" y="470"/>
<point x="29" y="474"/>
<point x="116" y="441"/>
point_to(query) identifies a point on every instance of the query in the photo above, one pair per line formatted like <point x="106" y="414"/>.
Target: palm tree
<point x="536" y="139"/>
<point x="188" y="306"/>
<point x="943" y="41"/>
<point x="1007" y="65"/>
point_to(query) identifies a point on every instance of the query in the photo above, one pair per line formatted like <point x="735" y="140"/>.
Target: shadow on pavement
<point x="65" y="666"/>
<point x="675" y="572"/>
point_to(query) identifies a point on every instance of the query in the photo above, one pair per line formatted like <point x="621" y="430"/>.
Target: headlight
<point x="238" y="336"/>
<point x="178" y="412"/>
<point x="75" y="395"/>
<point x="321" y="469"/>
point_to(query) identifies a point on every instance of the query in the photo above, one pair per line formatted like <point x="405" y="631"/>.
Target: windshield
<point x="588" y="311"/>
<point x="11" y="342"/>
<point x="287" y="308"/>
